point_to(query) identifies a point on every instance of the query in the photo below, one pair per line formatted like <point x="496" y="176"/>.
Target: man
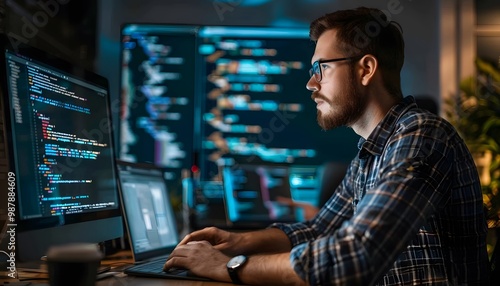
<point x="409" y="210"/>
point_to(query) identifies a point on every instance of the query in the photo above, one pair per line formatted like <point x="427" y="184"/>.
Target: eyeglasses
<point x="316" y="66"/>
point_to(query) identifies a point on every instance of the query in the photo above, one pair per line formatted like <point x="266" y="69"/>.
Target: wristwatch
<point x="232" y="267"/>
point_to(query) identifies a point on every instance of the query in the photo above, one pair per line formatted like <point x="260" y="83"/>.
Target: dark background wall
<point x="66" y="28"/>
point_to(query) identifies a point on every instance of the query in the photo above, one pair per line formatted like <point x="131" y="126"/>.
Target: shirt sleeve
<point x="330" y="216"/>
<point x="410" y="186"/>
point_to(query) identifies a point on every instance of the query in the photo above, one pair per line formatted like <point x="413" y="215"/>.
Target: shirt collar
<point x="377" y="140"/>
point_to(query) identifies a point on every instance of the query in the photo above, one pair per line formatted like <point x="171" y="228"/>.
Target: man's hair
<point x="367" y="31"/>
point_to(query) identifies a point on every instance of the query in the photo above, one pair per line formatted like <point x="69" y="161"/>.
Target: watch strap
<point x="233" y="274"/>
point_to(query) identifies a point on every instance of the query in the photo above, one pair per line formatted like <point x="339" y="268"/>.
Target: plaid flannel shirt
<point x="408" y="212"/>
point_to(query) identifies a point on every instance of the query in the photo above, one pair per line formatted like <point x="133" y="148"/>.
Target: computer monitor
<point x="255" y="101"/>
<point x="58" y="148"/>
<point x="158" y="87"/>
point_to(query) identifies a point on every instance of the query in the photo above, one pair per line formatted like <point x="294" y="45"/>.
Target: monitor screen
<point x="198" y="95"/>
<point x="147" y="209"/>
<point x="157" y="100"/>
<point x="60" y="152"/>
<point x="254" y="96"/>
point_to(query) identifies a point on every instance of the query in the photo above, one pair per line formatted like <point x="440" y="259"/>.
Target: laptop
<point x="149" y="220"/>
<point x="252" y="192"/>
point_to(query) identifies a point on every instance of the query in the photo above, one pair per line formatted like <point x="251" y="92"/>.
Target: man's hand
<point x="227" y="242"/>
<point x="201" y="258"/>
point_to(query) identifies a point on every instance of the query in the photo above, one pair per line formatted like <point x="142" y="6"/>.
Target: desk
<point x="140" y="281"/>
<point x="118" y="262"/>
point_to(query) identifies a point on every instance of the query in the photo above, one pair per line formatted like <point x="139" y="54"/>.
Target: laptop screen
<point x="147" y="210"/>
<point x="251" y="194"/>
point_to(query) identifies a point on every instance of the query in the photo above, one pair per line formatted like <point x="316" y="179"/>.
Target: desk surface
<point x="129" y="281"/>
<point x="116" y="277"/>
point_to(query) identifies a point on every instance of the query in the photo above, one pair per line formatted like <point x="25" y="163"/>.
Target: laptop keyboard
<point x="153" y="266"/>
<point x="156" y="267"/>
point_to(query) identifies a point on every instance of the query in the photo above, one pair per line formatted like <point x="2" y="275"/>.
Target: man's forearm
<point x="270" y="269"/>
<point x="271" y="240"/>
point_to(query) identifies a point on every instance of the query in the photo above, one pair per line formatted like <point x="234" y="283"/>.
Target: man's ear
<point x="369" y="66"/>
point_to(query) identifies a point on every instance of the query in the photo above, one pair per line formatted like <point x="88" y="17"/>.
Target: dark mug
<point x="73" y="264"/>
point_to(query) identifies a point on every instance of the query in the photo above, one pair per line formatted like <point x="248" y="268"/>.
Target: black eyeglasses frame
<point x="317" y="66"/>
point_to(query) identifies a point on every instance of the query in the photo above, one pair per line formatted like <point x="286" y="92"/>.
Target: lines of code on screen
<point x="255" y="100"/>
<point x="158" y="87"/>
<point x="62" y="141"/>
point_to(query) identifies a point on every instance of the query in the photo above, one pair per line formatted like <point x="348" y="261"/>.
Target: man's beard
<point x="345" y="108"/>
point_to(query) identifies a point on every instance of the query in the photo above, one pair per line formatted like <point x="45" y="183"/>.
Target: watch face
<point x="236" y="261"/>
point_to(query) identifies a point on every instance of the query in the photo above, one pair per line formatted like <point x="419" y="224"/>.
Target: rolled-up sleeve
<point x="337" y="210"/>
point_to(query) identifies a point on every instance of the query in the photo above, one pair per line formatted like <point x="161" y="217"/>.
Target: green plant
<point x="475" y="113"/>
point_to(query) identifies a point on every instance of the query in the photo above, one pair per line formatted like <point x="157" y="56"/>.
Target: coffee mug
<point x="73" y="264"/>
